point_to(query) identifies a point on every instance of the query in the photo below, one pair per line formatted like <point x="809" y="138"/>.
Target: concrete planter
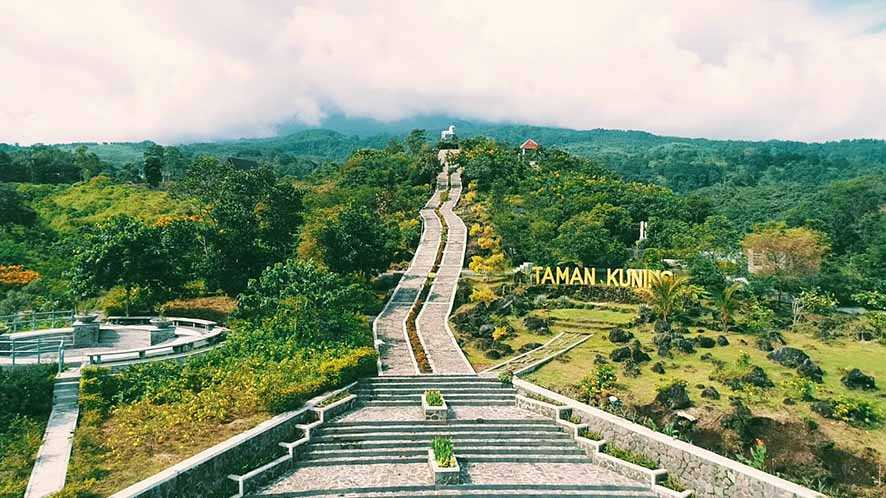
<point x="85" y="318"/>
<point x="434" y="412"/>
<point x="590" y="447"/>
<point x="161" y="323"/>
<point x="663" y="492"/>
<point x="444" y="476"/>
<point x="630" y="470"/>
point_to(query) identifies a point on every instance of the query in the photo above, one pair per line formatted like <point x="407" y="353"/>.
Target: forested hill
<point x="683" y="164"/>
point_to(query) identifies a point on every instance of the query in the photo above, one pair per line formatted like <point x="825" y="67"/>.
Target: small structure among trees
<point x="529" y="145"/>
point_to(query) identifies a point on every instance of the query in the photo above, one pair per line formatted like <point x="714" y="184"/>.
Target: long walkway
<point x="432" y="324"/>
<point x="51" y="465"/>
<point x="395" y="352"/>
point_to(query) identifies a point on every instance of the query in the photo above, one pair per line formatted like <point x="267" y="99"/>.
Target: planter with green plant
<point x="444" y="465"/>
<point x="434" y="405"/>
<point x="631" y="464"/>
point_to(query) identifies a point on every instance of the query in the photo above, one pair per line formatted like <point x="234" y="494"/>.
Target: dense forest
<point x="282" y="230"/>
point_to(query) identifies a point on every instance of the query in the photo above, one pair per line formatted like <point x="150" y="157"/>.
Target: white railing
<point x="49" y="349"/>
<point x="33" y="320"/>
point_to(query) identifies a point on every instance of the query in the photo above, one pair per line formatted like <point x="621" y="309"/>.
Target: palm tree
<point x="667" y="294"/>
<point x="727" y="302"/>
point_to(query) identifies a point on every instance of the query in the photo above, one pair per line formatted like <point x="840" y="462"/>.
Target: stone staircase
<point x="457" y="390"/>
<point x="479" y="491"/>
<point x="380" y="448"/>
<point x="500" y="441"/>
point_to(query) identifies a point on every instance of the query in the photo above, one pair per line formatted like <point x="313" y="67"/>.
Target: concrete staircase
<point x="500" y="441"/>
<point x="457" y="390"/>
<point x="480" y="491"/>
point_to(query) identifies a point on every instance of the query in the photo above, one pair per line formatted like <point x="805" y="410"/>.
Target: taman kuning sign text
<point x="616" y="277"/>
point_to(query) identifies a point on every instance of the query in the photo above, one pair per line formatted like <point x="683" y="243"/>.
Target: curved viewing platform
<point x="114" y="342"/>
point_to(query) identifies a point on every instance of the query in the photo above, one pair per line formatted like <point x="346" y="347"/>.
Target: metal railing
<point x="48" y="349"/>
<point x="34" y="320"/>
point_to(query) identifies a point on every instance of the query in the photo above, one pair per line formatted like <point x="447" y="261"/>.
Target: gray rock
<point x="757" y="377"/>
<point x="856" y="379"/>
<point x="620" y="354"/>
<point x="710" y="393"/>
<point x="619" y="335"/>
<point x="722" y="340"/>
<point x="704" y="341"/>
<point x="811" y="371"/>
<point x="658" y="368"/>
<point x="674" y="396"/>
<point x="788" y="356"/>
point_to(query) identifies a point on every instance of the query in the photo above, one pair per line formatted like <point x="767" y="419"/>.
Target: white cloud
<point x="179" y="71"/>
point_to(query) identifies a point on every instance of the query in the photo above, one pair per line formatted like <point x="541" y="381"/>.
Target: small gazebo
<point x="529" y="144"/>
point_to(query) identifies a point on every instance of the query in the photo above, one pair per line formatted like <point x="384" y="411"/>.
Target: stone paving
<point x="548" y="473"/>
<point x="395" y="352"/>
<point x="432" y="324"/>
<point x="332" y="477"/>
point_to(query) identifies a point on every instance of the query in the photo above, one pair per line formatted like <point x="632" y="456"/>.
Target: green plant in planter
<point x="442" y="447"/>
<point x="630" y="456"/>
<point x="592" y="435"/>
<point x="575" y="419"/>
<point x="434" y="397"/>
<point x="673" y="483"/>
<point x="506" y="377"/>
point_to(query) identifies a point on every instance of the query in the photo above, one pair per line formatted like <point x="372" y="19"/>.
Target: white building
<point x="448" y="134"/>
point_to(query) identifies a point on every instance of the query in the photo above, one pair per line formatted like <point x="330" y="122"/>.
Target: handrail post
<point x="39" y="349"/>
<point x="61" y="356"/>
<point x="13" y="352"/>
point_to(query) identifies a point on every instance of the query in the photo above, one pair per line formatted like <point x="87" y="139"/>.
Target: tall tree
<point x="252" y="216"/>
<point x="124" y="252"/>
<point x="358" y="241"/>
<point x="727" y="303"/>
<point x="789" y="255"/>
<point x="153" y="169"/>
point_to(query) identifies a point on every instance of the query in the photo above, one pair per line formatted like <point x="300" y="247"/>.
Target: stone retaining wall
<point x="709" y="474"/>
<point x="206" y="473"/>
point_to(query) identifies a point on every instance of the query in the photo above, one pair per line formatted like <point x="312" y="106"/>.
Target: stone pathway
<point x="432" y="324"/>
<point x="51" y="465"/>
<point x="395" y="352"/>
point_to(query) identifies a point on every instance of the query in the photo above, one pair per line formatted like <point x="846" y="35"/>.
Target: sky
<point x="175" y="72"/>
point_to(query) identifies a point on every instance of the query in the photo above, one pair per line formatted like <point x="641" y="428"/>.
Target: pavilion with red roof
<point x="529" y="144"/>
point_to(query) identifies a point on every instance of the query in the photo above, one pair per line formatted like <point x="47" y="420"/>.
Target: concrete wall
<point x="205" y="474"/>
<point x="709" y="474"/>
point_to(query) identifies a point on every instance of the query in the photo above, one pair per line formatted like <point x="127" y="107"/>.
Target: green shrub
<point x="630" y="456"/>
<point x="98" y="387"/>
<point x="442" y="447"/>
<point x="214" y="308"/>
<point x="20" y="439"/>
<point x="434" y="397"/>
<point x="26" y="391"/>
<point x="506" y="377"/>
<point x="856" y="411"/>
<point x="600" y="380"/>
<point x="757" y="458"/>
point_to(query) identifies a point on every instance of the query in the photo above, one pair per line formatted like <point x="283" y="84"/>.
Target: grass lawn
<point x="478" y="358"/>
<point x="831" y="357"/>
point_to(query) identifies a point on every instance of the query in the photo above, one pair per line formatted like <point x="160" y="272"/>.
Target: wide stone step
<point x="480" y="491"/>
<point x="460" y="451"/>
<point x="417" y="443"/>
<point x="450" y="428"/>
<point x="444" y="390"/>
<point x="447" y="397"/>
<point x="421" y="457"/>
<point x="412" y="423"/>
<point x="417" y="402"/>
<point x="427" y="436"/>
<point x="418" y="384"/>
